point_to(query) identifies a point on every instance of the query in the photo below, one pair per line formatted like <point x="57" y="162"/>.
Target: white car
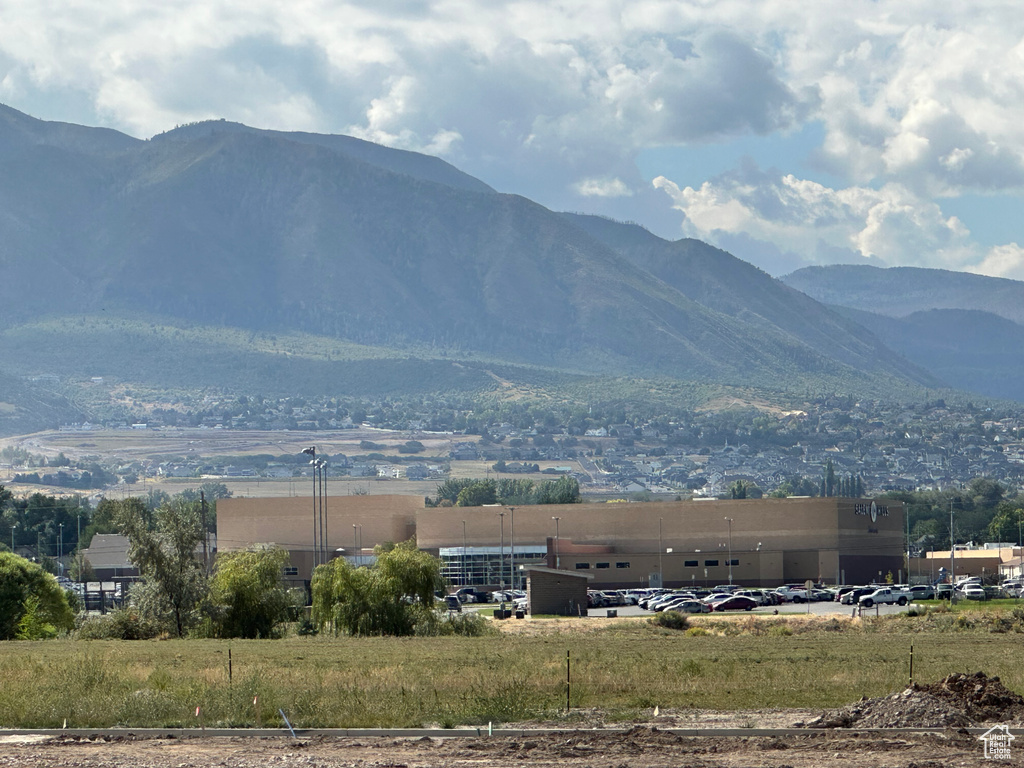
<point x="973" y="592"/>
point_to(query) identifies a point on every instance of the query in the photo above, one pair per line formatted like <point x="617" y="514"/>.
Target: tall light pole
<point x="465" y="580"/>
<point x="661" y="550"/>
<point x="501" y="561"/>
<point x="1020" y="550"/>
<point x="323" y="508"/>
<point x="13" y="526"/>
<point x="60" y="548"/>
<point x="558" y="565"/>
<point x="729" y="520"/>
<point x="512" y="548"/>
<point x="311" y="451"/>
<point x="952" y="556"/>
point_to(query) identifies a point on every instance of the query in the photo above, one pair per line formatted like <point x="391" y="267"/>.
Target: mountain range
<point x="965" y="329"/>
<point x="230" y="229"/>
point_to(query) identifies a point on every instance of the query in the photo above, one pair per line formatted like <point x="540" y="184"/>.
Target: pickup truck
<point x="790" y="594"/>
<point x="886" y="595"/>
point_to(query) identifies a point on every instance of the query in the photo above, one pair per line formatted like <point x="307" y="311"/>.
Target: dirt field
<point x="642" y="746"/>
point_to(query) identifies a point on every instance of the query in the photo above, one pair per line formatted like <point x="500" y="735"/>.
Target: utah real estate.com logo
<point x="997" y="742"/>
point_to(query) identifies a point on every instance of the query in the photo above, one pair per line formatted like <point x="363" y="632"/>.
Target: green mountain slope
<point x="260" y="232"/>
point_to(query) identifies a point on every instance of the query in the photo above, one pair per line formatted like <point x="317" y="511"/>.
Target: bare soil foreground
<point x="864" y="734"/>
<point x="641" y="746"/>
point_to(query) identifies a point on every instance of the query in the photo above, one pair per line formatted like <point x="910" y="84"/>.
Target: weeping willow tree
<point x="248" y="593"/>
<point x="389" y="598"/>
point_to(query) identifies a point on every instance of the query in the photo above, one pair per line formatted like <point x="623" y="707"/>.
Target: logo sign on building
<point x="872" y="510"/>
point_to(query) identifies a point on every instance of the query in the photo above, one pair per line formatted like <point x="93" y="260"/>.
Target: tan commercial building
<point x="749" y="541"/>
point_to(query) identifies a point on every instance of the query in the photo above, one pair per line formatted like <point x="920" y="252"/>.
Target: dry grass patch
<point x="622" y="667"/>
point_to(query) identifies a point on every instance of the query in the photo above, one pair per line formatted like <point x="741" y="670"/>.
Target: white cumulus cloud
<point x="890" y="225"/>
<point x="603" y="188"/>
<point x="919" y="100"/>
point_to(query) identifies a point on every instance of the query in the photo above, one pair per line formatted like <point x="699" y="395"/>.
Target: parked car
<point x="715" y="597"/>
<point x="659" y="603"/>
<point x="673" y="600"/>
<point x="853" y="596"/>
<point x="922" y="592"/>
<point x="466" y="595"/>
<point x="884" y="596"/>
<point x="790" y="594"/>
<point x="453" y="604"/>
<point x="757" y="595"/>
<point x="691" y="606"/>
<point x="734" y="603"/>
<point x="973" y="592"/>
<point x="943" y="591"/>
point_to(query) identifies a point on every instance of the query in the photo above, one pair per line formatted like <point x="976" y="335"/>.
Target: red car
<point x="734" y="603"/>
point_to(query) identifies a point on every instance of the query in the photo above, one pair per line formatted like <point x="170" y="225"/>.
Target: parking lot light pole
<point x="729" y="520"/>
<point x="557" y="563"/>
<point x="1020" y="551"/>
<point x="501" y="561"/>
<point x="311" y="451"/>
<point x="465" y="579"/>
<point x="661" y="549"/>
<point x="323" y="510"/>
<point x="512" y="548"/>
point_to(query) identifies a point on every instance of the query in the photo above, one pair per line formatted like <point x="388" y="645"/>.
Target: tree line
<point x="467" y="492"/>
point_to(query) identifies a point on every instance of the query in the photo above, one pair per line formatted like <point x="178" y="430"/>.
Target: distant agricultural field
<point x="623" y="667"/>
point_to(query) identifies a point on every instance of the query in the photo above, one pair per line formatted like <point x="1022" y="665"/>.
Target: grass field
<point x="624" y="667"/>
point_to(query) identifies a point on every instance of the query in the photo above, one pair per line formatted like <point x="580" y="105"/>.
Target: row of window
<point x="586" y="566"/>
<point x="688" y="564"/>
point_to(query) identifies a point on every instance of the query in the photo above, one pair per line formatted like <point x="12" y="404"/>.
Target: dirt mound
<point x="957" y="701"/>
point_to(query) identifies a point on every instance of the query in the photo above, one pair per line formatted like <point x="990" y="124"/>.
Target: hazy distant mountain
<point x="219" y="224"/>
<point x="970" y="350"/>
<point x="965" y="329"/>
<point x="901" y="291"/>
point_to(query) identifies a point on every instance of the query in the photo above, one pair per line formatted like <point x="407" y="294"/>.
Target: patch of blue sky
<point x="992" y="219"/>
<point x="691" y="166"/>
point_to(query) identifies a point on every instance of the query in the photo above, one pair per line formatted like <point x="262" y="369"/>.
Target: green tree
<point x="1007" y="523"/>
<point x="516" y="491"/>
<point x="248" y="592"/>
<point x="477" y="494"/>
<point x="26" y="590"/>
<point x="564" y="490"/>
<point x="448" y="491"/>
<point x="389" y="598"/>
<point x="173" y="582"/>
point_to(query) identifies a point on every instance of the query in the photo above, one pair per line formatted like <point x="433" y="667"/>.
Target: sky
<point x="788" y="133"/>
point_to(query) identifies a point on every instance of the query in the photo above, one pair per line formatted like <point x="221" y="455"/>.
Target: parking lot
<point x="813" y="609"/>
